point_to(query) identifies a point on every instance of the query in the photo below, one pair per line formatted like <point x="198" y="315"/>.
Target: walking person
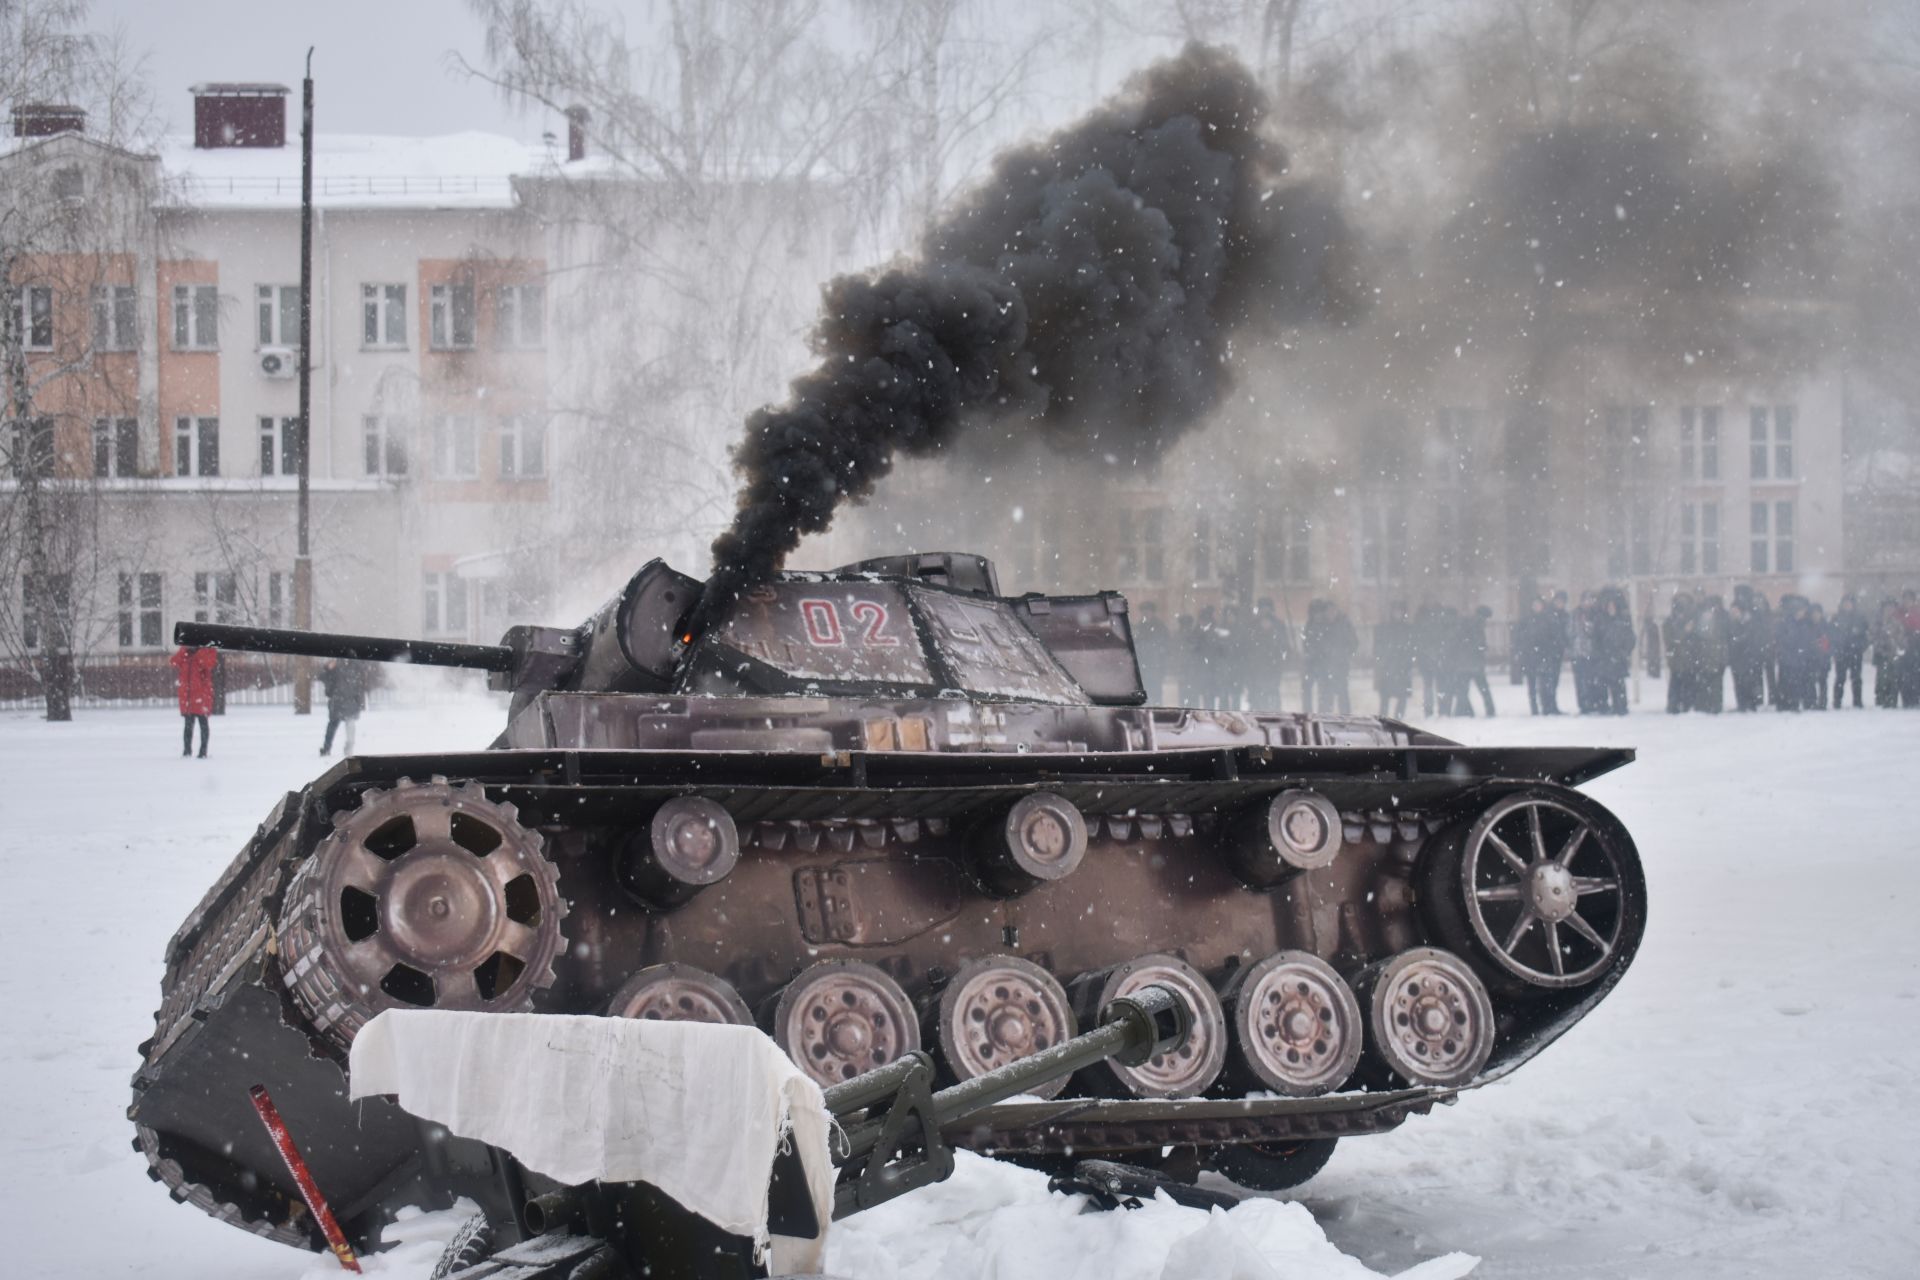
<point x="346" y="688"/>
<point x="1849" y="631"/>
<point x="193" y="668"/>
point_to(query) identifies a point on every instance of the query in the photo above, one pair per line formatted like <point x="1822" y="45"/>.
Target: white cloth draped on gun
<point x="696" y="1110"/>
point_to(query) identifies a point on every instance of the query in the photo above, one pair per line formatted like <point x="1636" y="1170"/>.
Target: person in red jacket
<point x="193" y="667"/>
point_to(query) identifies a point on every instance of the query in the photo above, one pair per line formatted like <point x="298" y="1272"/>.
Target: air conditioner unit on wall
<point x="278" y="362"/>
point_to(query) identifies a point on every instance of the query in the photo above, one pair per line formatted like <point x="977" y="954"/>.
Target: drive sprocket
<point x="428" y="895"/>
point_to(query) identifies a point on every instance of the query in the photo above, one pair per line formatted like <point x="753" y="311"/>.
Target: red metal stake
<point x="317" y="1203"/>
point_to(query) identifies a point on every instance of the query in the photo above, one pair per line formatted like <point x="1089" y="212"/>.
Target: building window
<point x="116" y="318"/>
<point x="1700" y="443"/>
<point x="279" y="597"/>
<point x="450" y="316"/>
<point x="444" y="602"/>
<point x="1153" y="545"/>
<point x="456" y="455"/>
<point x="279" y="438"/>
<point x="277" y="308"/>
<point x="69" y="185"/>
<point x="385" y="446"/>
<point x="383" y="316"/>
<point x="30" y="449"/>
<point x="1770" y="444"/>
<point x="196" y="446"/>
<point x="196" y="317"/>
<point x="1284" y="546"/>
<point x="33" y="316"/>
<point x="521" y="315"/>
<point x="1783" y="537"/>
<point x="523" y="447"/>
<point x="1202" y="547"/>
<point x="33" y="598"/>
<point x="139" y="610"/>
<point x="216" y="597"/>
<point x="1383" y="541"/>
<point x="1699" y="537"/>
<point x="1126" y="548"/>
<point x="116" y="447"/>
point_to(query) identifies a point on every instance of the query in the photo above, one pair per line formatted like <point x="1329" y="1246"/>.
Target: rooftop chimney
<point x="239" y="115"/>
<point x="577" y="118"/>
<point x="44" y="119"/>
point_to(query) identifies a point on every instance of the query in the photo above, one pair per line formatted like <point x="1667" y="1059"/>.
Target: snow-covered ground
<point x="1738" y="1107"/>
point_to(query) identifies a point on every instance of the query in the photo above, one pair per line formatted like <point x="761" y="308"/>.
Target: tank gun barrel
<point x="320" y="644"/>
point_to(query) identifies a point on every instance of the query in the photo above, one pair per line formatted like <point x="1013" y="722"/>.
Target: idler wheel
<point x="1186" y="1072"/>
<point x="679" y="993"/>
<point x="1429" y="1020"/>
<point x="1282" y="836"/>
<point x="1000" y="1009"/>
<point x="1539" y="891"/>
<point x="1041" y="838"/>
<point x="1296" y="1025"/>
<point x="840" y="1018"/>
<point x="690" y="843"/>
<point x="426" y="896"/>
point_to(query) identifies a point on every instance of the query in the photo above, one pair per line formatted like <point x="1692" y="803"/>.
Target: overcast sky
<point x="379" y="66"/>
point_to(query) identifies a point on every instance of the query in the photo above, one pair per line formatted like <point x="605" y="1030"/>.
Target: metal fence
<point x="147" y="680"/>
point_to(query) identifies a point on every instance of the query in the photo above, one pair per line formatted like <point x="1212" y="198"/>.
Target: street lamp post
<point x="303" y="559"/>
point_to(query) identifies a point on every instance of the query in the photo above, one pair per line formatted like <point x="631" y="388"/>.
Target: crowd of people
<point x="1793" y="656"/>
<point x="1230" y="659"/>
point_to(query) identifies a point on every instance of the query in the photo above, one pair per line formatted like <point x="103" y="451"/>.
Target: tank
<point x="877" y="810"/>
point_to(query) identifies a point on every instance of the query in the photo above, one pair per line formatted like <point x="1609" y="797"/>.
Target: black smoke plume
<point x="1086" y="292"/>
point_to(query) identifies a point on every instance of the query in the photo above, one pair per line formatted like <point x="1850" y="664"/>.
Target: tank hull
<point x="848" y="851"/>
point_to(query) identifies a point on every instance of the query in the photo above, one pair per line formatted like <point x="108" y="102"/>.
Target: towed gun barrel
<point x="887" y="1141"/>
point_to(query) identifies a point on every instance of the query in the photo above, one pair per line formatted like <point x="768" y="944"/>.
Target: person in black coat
<point x="1613" y="642"/>
<point x="1429" y="655"/>
<point x="1850" y="632"/>
<point x="345" y="684"/>
<point x="1745" y="655"/>
<point x="1538" y="643"/>
<point x="1473" y="662"/>
<point x="1711" y="656"/>
<point x="1393" y="661"/>
<point x="1677" y="638"/>
<point x="1822" y="659"/>
<point x="1797" y="643"/>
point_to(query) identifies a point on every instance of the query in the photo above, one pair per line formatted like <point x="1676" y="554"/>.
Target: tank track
<point x="225" y="944"/>
<point x="227" y="956"/>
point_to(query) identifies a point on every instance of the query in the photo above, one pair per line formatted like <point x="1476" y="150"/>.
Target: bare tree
<point x="73" y="220"/>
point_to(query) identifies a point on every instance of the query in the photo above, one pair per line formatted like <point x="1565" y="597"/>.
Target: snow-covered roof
<point x="354" y="171"/>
